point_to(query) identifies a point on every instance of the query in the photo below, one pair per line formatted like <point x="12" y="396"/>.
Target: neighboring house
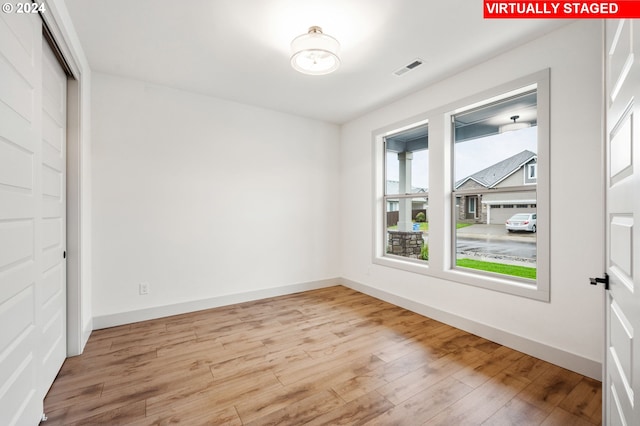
<point x="393" y="187"/>
<point x="495" y="208"/>
<point x="417" y="204"/>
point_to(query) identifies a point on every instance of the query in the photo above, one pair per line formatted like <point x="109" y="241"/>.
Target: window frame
<point x="378" y="154"/>
<point x="406" y="196"/>
<point x="442" y="200"/>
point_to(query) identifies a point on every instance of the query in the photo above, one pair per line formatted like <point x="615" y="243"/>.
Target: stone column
<point x="407" y="244"/>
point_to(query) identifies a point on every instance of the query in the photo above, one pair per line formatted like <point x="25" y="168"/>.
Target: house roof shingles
<point x="494" y="174"/>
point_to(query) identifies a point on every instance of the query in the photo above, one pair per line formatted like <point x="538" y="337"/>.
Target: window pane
<point x="407" y="161"/>
<point x="407" y="172"/>
<point x="495" y="179"/>
<point x="408" y="236"/>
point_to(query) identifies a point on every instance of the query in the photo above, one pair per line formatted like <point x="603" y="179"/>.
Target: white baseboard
<point x="570" y="361"/>
<point x="112" y="320"/>
<point x="86" y="333"/>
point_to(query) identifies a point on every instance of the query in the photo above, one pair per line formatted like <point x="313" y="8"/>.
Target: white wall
<point x="572" y="321"/>
<point x="204" y="198"/>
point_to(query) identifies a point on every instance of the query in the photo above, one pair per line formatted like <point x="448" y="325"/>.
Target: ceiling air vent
<point x="410" y="66"/>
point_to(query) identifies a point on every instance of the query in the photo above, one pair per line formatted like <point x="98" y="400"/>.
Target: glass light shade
<point x="514" y="126"/>
<point x="315" y="53"/>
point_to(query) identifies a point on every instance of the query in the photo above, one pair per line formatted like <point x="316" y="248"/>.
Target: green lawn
<point x="500" y="268"/>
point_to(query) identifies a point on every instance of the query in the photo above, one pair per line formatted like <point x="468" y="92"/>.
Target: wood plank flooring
<point x="324" y="357"/>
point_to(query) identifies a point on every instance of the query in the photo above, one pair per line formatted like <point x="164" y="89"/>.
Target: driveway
<point x="494" y="232"/>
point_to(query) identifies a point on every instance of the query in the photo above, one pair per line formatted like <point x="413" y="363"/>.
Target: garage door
<point x="503" y="205"/>
<point x="500" y="215"/>
<point x="32" y="219"/>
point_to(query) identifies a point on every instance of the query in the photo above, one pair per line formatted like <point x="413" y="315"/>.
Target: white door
<point x="622" y="356"/>
<point x="52" y="303"/>
<point x="32" y="220"/>
<point x="20" y="188"/>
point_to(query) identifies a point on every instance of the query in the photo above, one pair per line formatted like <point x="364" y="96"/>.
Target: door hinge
<point x="605" y="281"/>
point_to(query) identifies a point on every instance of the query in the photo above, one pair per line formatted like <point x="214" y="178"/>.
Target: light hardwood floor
<point x="329" y="356"/>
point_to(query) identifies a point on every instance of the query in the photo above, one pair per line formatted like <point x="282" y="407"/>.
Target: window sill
<point x="410" y="265"/>
<point x="489" y="281"/>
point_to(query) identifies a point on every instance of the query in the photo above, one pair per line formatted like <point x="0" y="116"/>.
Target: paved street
<point x="520" y="249"/>
<point x="495" y="242"/>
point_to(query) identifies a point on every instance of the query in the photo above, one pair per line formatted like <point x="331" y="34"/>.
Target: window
<point x="406" y="183"/>
<point x="442" y="209"/>
<point x="494" y="144"/>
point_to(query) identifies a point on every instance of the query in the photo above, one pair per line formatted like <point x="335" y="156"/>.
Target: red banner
<point x="561" y="9"/>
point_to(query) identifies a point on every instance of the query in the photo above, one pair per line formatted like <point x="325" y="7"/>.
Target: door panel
<point x="20" y="122"/>
<point x="621" y="231"/>
<point x="621" y="153"/>
<point x="52" y="298"/>
<point x="622" y="372"/>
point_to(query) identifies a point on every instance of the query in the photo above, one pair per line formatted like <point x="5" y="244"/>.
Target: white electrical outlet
<point x="144" y="288"/>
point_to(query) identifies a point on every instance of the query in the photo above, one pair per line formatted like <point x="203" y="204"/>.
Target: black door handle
<point x="605" y="281"/>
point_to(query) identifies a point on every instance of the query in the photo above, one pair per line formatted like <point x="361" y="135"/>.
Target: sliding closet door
<point x="52" y="306"/>
<point x="20" y="189"/>
<point x="32" y="219"/>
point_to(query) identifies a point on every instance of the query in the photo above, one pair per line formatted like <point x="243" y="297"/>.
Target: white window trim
<point x="533" y="166"/>
<point x="442" y="199"/>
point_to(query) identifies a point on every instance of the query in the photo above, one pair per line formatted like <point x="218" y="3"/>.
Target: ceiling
<point x="239" y="49"/>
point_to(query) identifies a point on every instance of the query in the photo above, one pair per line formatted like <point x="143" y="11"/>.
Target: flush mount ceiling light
<point x="315" y="53"/>
<point x="514" y="126"/>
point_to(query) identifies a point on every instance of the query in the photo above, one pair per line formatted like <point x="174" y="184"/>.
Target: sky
<point x="470" y="156"/>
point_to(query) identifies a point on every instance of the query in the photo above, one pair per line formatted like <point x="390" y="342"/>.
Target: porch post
<point x="404" y="219"/>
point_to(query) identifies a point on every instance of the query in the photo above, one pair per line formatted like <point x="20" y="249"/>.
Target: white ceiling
<point x="239" y="49"/>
